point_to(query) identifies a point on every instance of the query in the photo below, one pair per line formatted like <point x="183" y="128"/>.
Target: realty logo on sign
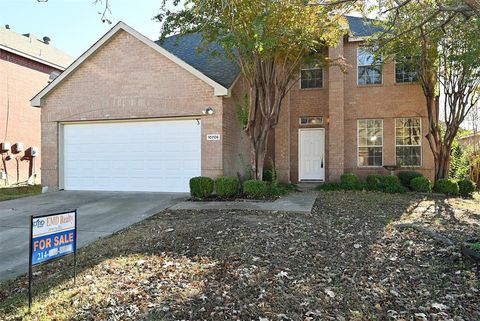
<point x="53" y="236"/>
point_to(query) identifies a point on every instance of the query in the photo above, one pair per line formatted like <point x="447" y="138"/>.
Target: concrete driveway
<point x="99" y="214"/>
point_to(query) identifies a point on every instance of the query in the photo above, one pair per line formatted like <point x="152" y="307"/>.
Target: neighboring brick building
<point x="132" y="114"/>
<point x="26" y="64"/>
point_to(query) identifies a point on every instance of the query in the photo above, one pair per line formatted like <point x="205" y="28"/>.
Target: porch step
<point x="308" y="186"/>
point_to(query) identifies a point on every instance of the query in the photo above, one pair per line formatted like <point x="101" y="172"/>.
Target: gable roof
<point x="223" y="70"/>
<point x="30" y="47"/>
<point x="216" y="70"/>
<point x="219" y="90"/>
<point x="217" y="67"/>
<point x="362" y="27"/>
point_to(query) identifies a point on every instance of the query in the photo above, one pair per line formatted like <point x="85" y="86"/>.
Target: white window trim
<point x="312" y="88"/>
<point x="358" y="144"/>
<point x="395" y="78"/>
<point x="421" y="142"/>
<point x="357" y="65"/>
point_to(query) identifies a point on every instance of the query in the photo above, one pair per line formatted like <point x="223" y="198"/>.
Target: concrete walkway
<point x="293" y="202"/>
<point x="99" y="214"/>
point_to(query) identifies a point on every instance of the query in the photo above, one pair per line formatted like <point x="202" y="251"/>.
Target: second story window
<point x="311" y="76"/>
<point x="406" y="70"/>
<point x="369" y="68"/>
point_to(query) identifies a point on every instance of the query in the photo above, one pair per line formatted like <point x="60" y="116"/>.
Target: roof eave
<point x="219" y="90"/>
<point x="358" y="38"/>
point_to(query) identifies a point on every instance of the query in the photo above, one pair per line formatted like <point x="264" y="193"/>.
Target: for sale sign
<point x="52" y="236"/>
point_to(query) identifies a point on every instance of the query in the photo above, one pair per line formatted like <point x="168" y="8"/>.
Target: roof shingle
<point x="221" y="69"/>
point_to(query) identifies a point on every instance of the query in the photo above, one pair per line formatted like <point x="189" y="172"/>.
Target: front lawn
<point x="9" y="193"/>
<point x="345" y="261"/>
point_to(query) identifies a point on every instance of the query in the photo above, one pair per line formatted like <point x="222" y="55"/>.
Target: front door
<point x="311" y="154"/>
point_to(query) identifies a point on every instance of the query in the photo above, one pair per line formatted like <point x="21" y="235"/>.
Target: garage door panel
<point x="132" y="156"/>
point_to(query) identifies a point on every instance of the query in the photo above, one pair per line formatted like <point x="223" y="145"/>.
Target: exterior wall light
<point x="208" y="111"/>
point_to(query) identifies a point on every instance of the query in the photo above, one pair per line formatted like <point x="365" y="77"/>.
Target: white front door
<point x="311" y="154"/>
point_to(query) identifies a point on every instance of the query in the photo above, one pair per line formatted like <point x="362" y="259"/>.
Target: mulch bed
<point x="345" y="261"/>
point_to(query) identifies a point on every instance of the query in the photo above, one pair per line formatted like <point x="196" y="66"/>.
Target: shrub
<point x="329" y="187"/>
<point x="201" y="187"/>
<point x="466" y="187"/>
<point x="279" y="189"/>
<point x="255" y="189"/>
<point x="421" y="184"/>
<point x="227" y="186"/>
<point x="373" y="182"/>
<point x="349" y="180"/>
<point x="446" y="186"/>
<point x="384" y="183"/>
<point x="391" y="184"/>
<point x="406" y="177"/>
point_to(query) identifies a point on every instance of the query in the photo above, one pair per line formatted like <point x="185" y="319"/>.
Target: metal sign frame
<point x="31" y="266"/>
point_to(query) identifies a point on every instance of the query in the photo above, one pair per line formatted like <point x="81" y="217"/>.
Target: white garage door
<point x="159" y="156"/>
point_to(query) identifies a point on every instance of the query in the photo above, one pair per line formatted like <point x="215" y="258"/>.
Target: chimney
<point x="46" y="40"/>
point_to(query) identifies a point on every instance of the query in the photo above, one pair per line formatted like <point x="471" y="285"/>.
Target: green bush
<point x="373" y="182"/>
<point x="384" y="183"/>
<point x="201" y="187"/>
<point x="466" y="187"/>
<point x="255" y="189"/>
<point x="227" y="186"/>
<point x="446" y="186"/>
<point x="329" y="187"/>
<point x="406" y="177"/>
<point x="279" y="189"/>
<point x="391" y="184"/>
<point x="349" y="180"/>
<point x="421" y="184"/>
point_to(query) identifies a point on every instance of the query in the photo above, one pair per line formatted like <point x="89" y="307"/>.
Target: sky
<point x="74" y="25"/>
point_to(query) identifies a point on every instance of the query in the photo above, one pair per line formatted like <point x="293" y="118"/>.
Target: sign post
<point x="52" y="236"/>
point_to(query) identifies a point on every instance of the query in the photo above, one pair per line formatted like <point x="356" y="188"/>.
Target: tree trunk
<point x="442" y="167"/>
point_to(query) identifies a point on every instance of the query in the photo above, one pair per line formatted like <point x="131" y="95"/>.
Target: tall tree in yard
<point x="269" y="40"/>
<point x="443" y="48"/>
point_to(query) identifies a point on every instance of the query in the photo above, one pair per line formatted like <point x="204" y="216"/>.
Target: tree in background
<point x="269" y="40"/>
<point x="445" y="55"/>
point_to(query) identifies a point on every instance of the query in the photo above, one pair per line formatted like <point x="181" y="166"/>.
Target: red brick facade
<point x="20" y="79"/>
<point x="127" y="79"/>
<point x="341" y="102"/>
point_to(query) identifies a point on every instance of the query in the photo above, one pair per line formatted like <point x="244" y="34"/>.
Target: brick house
<point x="26" y="64"/>
<point x="133" y="114"/>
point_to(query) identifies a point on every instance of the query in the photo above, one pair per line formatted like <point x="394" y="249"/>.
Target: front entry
<point x="311" y="154"/>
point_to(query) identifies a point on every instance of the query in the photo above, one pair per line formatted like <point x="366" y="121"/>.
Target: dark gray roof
<point x="217" y="67"/>
<point x="221" y="69"/>
<point x="362" y="27"/>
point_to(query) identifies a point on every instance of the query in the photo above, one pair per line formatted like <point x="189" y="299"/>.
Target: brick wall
<point x="236" y="145"/>
<point x="126" y="79"/>
<point x="342" y="102"/>
<point x="20" y="80"/>
<point x="387" y="101"/>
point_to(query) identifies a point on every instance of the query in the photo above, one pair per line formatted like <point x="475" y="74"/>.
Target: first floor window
<point x="311" y="76"/>
<point x="370" y="142"/>
<point x="408" y="141"/>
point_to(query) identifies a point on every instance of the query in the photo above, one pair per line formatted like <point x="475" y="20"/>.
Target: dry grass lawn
<point x="345" y="261"/>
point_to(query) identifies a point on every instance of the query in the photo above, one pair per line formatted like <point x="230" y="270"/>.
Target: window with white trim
<point x="408" y="141"/>
<point x="311" y="76"/>
<point x="370" y="142"/>
<point x="369" y="67"/>
<point x="406" y="70"/>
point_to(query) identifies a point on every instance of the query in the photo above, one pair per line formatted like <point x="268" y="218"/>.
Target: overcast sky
<point x="74" y="25"/>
